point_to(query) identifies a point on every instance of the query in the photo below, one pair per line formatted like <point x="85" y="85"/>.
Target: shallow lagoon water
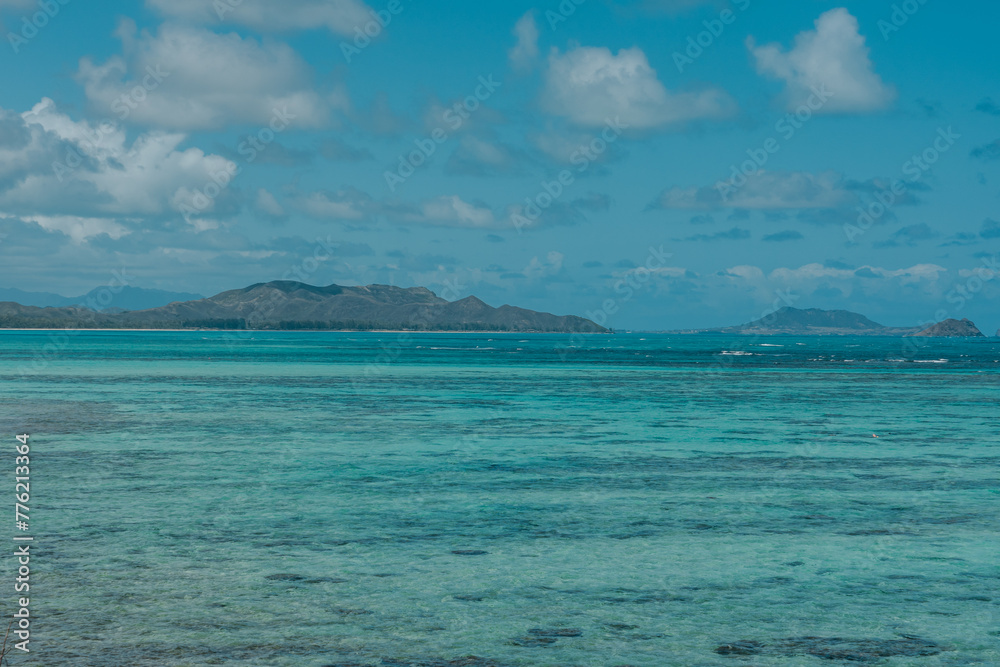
<point x="212" y="498"/>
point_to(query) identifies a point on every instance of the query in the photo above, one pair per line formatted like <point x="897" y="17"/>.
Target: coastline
<point x="409" y="331"/>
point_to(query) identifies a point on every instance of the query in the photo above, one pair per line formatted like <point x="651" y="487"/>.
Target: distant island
<point x="286" y="305"/>
<point x="963" y="328"/>
<point x="790" y="321"/>
<point x="126" y="297"/>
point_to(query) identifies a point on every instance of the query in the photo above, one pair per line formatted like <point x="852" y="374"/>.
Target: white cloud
<point x="338" y="16"/>
<point x="78" y="228"/>
<point x="342" y="205"/>
<point x="662" y="271"/>
<point x="814" y="273"/>
<point x="767" y="190"/>
<point x="525" y="51"/>
<point x="747" y="272"/>
<point x="476" y="156"/>
<point x="550" y="266"/>
<point x="268" y="205"/>
<point x="452" y="211"/>
<point x="833" y="56"/>
<point x="66" y="167"/>
<point x="352" y="204"/>
<point x="380" y="118"/>
<point x="189" y="78"/>
<point x="558" y="146"/>
<point x="454" y="119"/>
<point x="23" y="149"/>
<point x="484" y="151"/>
<point x="591" y="85"/>
<point x="916" y="273"/>
<point x="861" y="288"/>
<point x="868" y="289"/>
<point x="567" y="146"/>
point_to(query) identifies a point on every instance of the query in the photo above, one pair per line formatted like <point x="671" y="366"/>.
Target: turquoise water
<point x="416" y="499"/>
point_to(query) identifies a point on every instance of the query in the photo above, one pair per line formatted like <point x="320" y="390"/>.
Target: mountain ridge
<point x="291" y="305"/>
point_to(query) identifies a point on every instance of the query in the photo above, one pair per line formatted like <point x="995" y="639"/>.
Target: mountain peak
<point x="293" y="305"/>
<point x="812" y="318"/>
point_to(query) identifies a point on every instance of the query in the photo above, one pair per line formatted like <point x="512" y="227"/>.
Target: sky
<point x="651" y="164"/>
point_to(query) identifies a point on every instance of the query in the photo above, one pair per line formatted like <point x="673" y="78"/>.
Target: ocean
<point x="435" y="500"/>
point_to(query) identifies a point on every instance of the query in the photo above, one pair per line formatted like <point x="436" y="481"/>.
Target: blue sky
<point x="658" y="163"/>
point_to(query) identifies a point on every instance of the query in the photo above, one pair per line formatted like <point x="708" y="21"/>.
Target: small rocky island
<point x="951" y="328"/>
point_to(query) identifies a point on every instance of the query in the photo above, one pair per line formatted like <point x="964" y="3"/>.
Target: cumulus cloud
<point x="25" y="149"/>
<point x="338" y="16"/>
<point x="69" y="174"/>
<point x="591" y="85"/>
<point x="833" y="57"/>
<point x="524" y="52"/>
<point x="24" y="242"/>
<point x="187" y="78"/>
